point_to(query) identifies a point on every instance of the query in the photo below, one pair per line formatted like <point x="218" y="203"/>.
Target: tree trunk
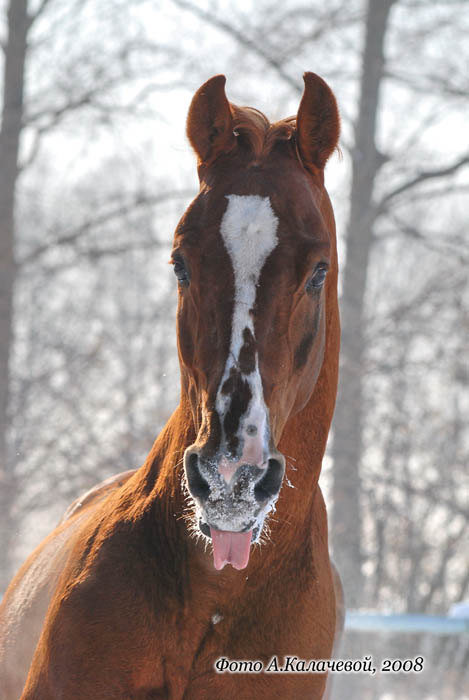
<point x="12" y="116"/>
<point x="347" y="442"/>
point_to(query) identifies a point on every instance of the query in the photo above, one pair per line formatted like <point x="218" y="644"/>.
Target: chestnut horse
<point x="124" y="599"/>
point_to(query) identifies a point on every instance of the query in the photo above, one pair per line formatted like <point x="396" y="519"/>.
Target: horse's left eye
<point x="318" y="278"/>
<point x="180" y="271"/>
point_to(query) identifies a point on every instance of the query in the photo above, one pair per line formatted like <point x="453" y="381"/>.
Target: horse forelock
<point x="260" y="135"/>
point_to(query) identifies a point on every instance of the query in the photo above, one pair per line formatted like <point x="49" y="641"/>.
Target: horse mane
<point x="260" y="135"/>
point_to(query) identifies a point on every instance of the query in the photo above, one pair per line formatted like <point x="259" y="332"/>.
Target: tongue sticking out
<point x="230" y="548"/>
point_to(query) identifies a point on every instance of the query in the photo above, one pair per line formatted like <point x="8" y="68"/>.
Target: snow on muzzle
<point x="232" y="510"/>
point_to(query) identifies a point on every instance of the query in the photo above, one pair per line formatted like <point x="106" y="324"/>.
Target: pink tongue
<point x="230" y="548"/>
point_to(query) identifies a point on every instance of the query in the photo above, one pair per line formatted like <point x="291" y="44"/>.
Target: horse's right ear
<point x="209" y="122"/>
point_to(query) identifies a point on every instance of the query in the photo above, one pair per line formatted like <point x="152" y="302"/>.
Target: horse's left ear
<point x="209" y="122"/>
<point x="317" y="122"/>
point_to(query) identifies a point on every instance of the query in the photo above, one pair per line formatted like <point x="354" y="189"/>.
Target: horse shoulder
<point x="98" y="638"/>
<point x="27" y="599"/>
<point x="25" y="604"/>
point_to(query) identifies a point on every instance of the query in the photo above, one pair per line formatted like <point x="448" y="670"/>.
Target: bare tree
<point x="371" y="201"/>
<point x="12" y="116"/>
<point x="348" y="431"/>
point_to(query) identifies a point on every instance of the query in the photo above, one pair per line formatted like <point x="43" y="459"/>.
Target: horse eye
<point x="318" y="278"/>
<point x="180" y="271"/>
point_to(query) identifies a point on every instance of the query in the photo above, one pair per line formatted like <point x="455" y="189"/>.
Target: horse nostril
<point x="270" y="483"/>
<point x="198" y="487"/>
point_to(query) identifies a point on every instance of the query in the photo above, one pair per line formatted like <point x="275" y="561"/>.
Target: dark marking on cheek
<point x="316" y="320"/>
<point x="304" y="348"/>
<point x="247" y="353"/>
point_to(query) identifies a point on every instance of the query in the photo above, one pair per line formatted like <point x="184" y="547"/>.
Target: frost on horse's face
<point x="251" y="255"/>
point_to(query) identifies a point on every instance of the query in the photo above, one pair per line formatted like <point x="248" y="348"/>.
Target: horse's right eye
<point x="180" y="271"/>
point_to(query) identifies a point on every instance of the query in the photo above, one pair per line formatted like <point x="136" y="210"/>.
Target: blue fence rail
<point x="431" y="624"/>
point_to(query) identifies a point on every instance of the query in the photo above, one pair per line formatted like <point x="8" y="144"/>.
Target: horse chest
<point x="246" y="633"/>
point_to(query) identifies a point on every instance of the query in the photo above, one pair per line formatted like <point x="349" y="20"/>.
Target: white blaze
<point x="249" y="230"/>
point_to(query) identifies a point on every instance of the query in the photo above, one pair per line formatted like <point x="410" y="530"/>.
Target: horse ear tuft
<point x="318" y="122"/>
<point x="209" y="122"/>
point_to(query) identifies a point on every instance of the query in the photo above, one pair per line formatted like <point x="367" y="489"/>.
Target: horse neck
<point x="161" y="473"/>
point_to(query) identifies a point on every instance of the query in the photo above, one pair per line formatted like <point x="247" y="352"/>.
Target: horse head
<point x="251" y="255"/>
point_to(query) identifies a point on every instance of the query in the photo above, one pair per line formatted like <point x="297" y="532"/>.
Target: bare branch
<point x="92" y="100"/>
<point x="429" y="83"/>
<point x="419" y="179"/>
<point x="96" y="253"/>
<point x="90" y="224"/>
<point x="55" y="116"/>
<point x="42" y="6"/>
<point x="434" y="240"/>
<point x="241" y="38"/>
<point x="33" y="151"/>
<point x="433" y="496"/>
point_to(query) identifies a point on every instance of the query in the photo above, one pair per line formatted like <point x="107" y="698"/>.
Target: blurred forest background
<point x="95" y="172"/>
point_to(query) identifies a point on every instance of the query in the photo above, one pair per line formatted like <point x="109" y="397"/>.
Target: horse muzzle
<point x="232" y="500"/>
